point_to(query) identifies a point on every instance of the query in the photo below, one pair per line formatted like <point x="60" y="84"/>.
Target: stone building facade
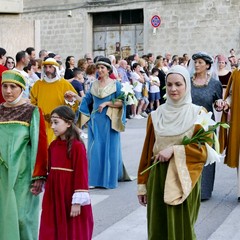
<point x="73" y="27"/>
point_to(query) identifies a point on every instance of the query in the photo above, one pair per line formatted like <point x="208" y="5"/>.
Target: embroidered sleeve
<point x="40" y="168"/>
<point x="147" y="153"/>
<point x="142" y="190"/>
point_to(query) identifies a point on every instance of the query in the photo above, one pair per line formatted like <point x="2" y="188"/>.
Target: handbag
<point x="145" y="91"/>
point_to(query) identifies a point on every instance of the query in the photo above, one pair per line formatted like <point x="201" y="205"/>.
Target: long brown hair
<point x="67" y="115"/>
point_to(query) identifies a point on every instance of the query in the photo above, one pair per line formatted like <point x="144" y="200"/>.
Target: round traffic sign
<point x="156" y="21"/>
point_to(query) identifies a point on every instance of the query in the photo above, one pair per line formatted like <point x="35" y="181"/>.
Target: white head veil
<point x="174" y="118"/>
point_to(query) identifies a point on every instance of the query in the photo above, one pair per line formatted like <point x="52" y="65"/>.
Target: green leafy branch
<point x="201" y="137"/>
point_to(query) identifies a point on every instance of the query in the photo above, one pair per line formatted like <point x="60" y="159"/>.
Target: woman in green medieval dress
<point x="23" y="161"/>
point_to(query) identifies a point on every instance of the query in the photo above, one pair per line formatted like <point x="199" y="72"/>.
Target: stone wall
<point x="212" y="26"/>
<point x="16" y="34"/>
<point x="11" y="6"/>
<point x="61" y="34"/>
<point x="186" y="25"/>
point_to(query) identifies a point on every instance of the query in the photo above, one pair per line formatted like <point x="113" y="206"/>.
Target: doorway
<point x="118" y="33"/>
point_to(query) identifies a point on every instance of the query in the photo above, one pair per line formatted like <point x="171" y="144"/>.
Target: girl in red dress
<point x="66" y="208"/>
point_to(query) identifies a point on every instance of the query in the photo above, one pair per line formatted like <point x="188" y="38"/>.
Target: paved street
<point x="118" y="215"/>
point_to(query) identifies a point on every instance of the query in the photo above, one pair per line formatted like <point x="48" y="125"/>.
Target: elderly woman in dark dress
<point x="207" y="92"/>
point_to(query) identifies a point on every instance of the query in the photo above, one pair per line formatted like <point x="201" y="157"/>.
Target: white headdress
<point x="53" y="62"/>
<point x="174" y="118"/>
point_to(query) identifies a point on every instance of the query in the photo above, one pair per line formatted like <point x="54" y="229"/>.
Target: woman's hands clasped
<point x="221" y="105"/>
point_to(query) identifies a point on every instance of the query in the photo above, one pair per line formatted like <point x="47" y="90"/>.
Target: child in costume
<point x="66" y="208"/>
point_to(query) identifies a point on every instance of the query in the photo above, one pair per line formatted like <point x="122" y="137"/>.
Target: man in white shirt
<point x="22" y="60"/>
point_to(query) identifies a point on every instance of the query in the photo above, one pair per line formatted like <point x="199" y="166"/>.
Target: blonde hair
<point x="142" y="62"/>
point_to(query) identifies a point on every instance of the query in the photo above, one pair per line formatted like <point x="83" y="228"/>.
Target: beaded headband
<point x="104" y="63"/>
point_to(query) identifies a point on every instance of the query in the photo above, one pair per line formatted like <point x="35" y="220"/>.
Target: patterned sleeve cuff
<point x="81" y="198"/>
<point x="39" y="177"/>
<point x="142" y="190"/>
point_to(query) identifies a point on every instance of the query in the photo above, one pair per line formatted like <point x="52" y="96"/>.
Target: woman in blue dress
<point x="105" y="115"/>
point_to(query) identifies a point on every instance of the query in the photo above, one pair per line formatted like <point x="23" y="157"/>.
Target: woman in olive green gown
<point x="171" y="189"/>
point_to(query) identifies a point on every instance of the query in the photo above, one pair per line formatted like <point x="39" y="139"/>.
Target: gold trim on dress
<point x="19" y="122"/>
<point x="81" y="190"/>
<point x="62" y="169"/>
<point x="142" y="189"/>
<point x="178" y="183"/>
<point x="83" y="119"/>
<point x="115" y="114"/>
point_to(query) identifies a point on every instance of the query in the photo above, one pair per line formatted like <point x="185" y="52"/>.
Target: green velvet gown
<point x="169" y="221"/>
<point x="19" y="145"/>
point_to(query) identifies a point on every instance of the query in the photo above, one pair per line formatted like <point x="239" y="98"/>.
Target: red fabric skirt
<point x="56" y="223"/>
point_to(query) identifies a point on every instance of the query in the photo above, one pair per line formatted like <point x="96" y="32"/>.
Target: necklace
<point x="200" y="85"/>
